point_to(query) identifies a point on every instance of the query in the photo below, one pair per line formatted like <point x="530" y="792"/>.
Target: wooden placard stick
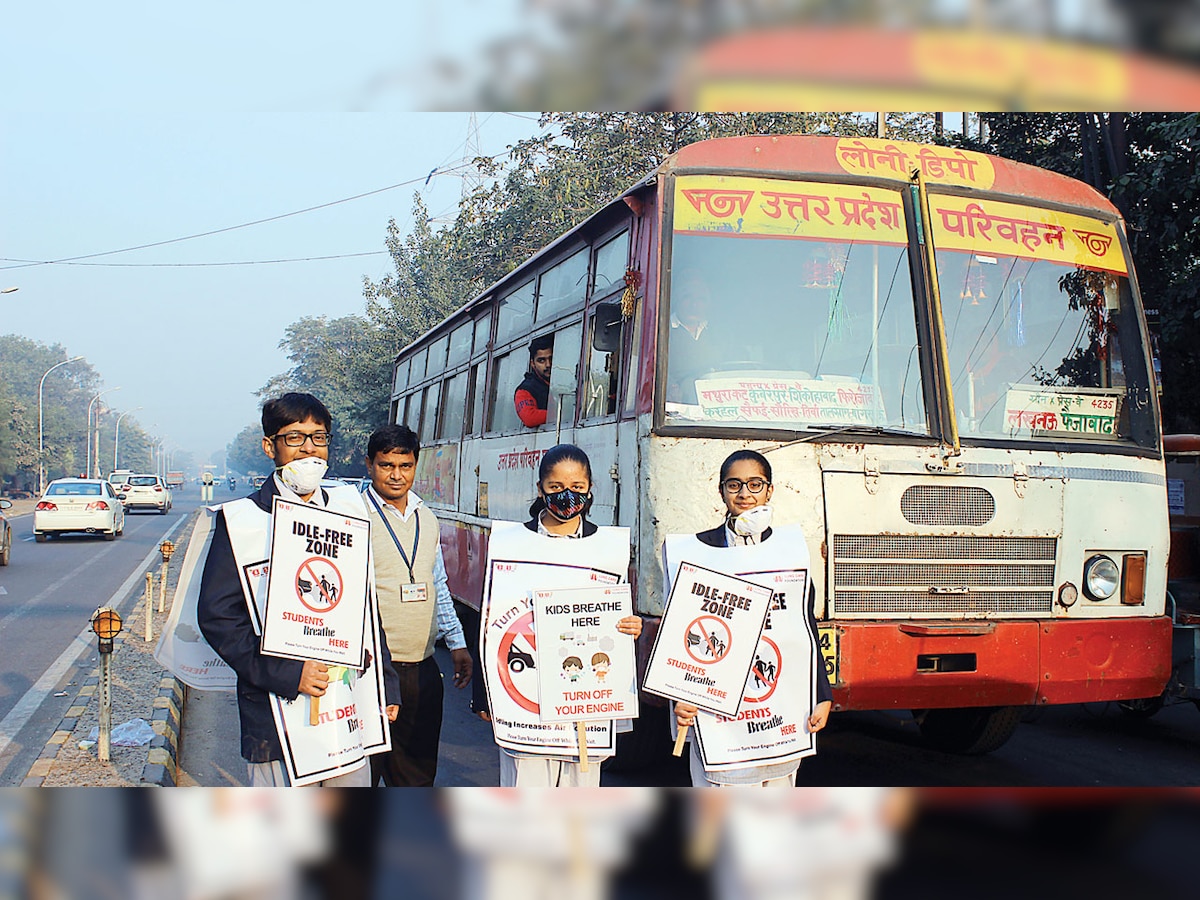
<point x="581" y="731"/>
<point x="314" y="710"/>
<point x="680" y="739"/>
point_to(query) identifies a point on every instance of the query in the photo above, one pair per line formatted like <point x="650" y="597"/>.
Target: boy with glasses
<point x="296" y="436"/>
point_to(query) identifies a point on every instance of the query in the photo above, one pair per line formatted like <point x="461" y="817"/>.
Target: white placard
<point x="520" y="560"/>
<point x="770" y="397"/>
<point x="352" y="723"/>
<point x="317" y="585"/>
<point x="587" y="670"/>
<point x="771" y="726"/>
<point x="1093" y="412"/>
<point x="705" y="644"/>
<point x="779" y="694"/>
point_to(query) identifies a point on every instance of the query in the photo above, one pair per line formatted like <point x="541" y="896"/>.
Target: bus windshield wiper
<point x="824" y="430"/>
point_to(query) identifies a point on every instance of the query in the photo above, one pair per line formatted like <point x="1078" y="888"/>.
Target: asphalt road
<point x="47" y="595"/>
<point x="50" y="590"/>
<point x="1092" y="745"/>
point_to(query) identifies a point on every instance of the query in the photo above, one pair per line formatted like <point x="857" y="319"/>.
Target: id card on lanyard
<point x="413" y="592"/>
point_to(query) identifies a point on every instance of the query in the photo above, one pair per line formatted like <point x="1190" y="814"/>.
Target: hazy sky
<point x="131" y="128"/>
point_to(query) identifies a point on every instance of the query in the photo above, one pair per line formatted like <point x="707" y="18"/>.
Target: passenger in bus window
<point x="532" y="395"/>
<point x="747" y="542"/>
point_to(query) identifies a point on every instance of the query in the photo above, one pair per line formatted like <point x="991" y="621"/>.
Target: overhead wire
<point x="244" y="262"/>
<point x="438" y="170"/>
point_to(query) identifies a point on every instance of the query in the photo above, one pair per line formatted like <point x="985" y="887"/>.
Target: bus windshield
<point x="808" y="328"/>
<point x="1044" y="340"/>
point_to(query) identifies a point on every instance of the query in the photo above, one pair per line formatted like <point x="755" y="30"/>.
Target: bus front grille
<point x="942" y="575"/>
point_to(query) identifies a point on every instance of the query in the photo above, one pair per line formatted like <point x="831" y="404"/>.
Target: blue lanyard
<point x="412" y="578"/>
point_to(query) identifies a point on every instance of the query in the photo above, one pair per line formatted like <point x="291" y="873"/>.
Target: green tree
<point x="244" y="453"/>
<point x="66" y="393"/>
<point x="346" y="363"/>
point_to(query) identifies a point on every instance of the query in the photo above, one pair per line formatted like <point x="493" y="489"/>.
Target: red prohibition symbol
<point x="707" y="640"/>
<point x="515" y="657"/>
<point x="764" y="671"/>
<point x="318" y="584"/>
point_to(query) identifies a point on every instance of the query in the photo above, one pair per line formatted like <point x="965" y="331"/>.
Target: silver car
<point x="146" y="492"/>
<point x="88" y="505"/>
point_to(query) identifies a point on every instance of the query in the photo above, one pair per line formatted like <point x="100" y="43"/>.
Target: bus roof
<point x="832" y="156"/>
<point x="850" y="67"/>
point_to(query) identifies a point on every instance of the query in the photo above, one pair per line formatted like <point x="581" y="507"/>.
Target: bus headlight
<point x="1067" y="595"/>
<point x="1101" y="577"/>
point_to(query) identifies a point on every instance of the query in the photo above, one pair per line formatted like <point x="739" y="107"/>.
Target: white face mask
<point x="303" y="475"/>
<point x="751" y="523"/>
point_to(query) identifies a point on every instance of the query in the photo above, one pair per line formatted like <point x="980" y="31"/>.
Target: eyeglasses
<point x="297" y="438"/>
<point x="735" y="485"/>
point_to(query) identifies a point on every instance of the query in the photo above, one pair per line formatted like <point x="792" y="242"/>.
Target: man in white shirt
<point x="415" y="605"/>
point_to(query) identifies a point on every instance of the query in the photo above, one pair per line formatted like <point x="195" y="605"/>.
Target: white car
<point x="146" y="492"/>
<point x="89" y="505"/>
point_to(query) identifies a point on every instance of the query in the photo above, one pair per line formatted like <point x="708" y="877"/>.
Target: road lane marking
<point x="48" y="591"/>
<point x="32" y="700"/>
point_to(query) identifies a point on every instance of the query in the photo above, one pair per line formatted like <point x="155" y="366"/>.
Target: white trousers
<point x="542" y="771"/>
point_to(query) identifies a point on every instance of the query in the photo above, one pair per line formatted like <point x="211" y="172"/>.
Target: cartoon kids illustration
<point x="600" y="664"/>
<point x="573" y="667"/>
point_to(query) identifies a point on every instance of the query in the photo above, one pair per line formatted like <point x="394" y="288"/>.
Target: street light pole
<point x="117" y="434"/>
<point x="41" y="447"/>
<point x="89" y="432"/>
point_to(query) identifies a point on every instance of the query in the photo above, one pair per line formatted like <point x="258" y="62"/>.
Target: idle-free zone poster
<point x="317" y="585"/>
<point x="707" y="638"/>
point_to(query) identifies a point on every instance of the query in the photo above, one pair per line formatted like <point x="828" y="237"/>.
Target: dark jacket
<point x="535" y="390"/>
<point x="588" y="528"/>
<point x="715" y="537"/>
<point x="225" y="623"/>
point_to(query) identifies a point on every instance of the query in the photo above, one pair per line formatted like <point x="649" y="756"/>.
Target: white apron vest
<point x="771" y="728"/>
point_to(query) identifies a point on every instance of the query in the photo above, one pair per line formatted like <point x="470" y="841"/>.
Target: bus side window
<point x="564" y="376"/>
<point x="507" y="372"/>
<point x="474" y="414"/>
<point x="412" y="411"/>
<point x="429" y="415"/>
<point x="604" y="359"/>
<point x="454" y="409"/>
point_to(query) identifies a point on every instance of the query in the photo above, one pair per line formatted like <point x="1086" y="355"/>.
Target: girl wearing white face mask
<point x="746" y="490"/>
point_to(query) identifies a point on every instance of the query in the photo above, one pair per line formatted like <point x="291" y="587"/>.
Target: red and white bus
<point x="944" y="356"/>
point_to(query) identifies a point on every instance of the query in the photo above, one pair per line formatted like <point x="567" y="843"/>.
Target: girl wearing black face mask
<point x="564" y="490"/>
<point x="564" y="494"/>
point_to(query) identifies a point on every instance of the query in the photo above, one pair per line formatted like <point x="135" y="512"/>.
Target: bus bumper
<point x="924" y="665"/>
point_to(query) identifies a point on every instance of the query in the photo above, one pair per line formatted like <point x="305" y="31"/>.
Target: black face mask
<point x="566" y="504"/>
